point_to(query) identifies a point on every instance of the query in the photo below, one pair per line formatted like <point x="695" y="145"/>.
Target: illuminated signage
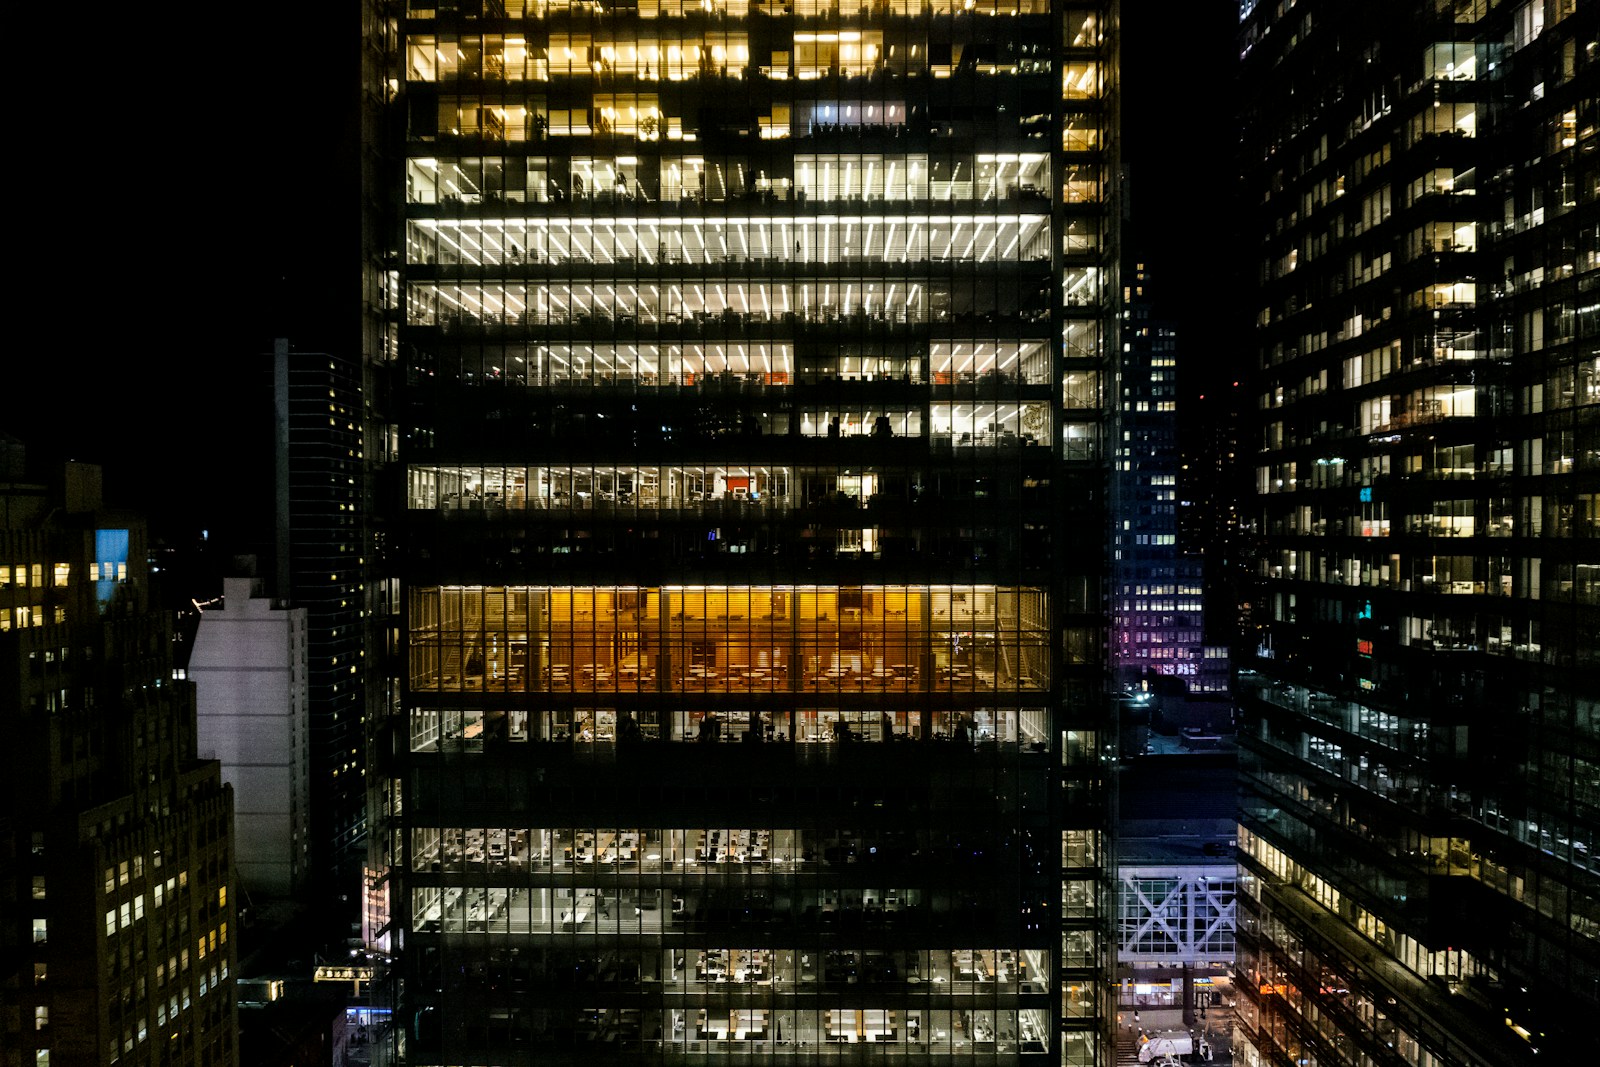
<point x="354" y="975"/>
<point x="1364" y="647"/>
<point x="1366" y="495"/>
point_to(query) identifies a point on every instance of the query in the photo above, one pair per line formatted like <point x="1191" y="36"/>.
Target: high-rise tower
<point x="116" y="844"/>
<point x="751" y="695"/>
<point x="1158" y="583"/>
<point x="321" y="566"/>
<point x="1422" y="752"/>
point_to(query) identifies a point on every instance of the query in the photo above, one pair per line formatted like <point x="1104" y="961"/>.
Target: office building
<point x="752" y="692"/>
<point x="1158" y="607"/>
<point x="116" y="848"/>
<point x="248" y="666"/>
<point x="1422" y="760"/>
<point x="321" y="566"/>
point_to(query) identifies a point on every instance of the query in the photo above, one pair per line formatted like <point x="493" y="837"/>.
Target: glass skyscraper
<point x="1158" y="577"/>
<point x="745" y="370"/>
<point x="1422" y="743"/>
<point x="320" y="503"/>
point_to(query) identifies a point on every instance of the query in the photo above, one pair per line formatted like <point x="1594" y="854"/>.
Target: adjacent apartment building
<point x="1421" y="833"/>
<point x="116" y="853"/>
<point x="746" y="373"/>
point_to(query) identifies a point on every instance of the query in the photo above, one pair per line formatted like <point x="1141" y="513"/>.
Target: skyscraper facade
<point x="1422" y="757"/>
<point x="321" y="567"/>
<point x="1158" y="583"/>
<point x="116" y="855"/>
<point x="747" y="391"/>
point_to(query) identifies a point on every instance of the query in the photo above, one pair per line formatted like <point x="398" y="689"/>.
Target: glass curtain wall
<point x="749" y="691"/>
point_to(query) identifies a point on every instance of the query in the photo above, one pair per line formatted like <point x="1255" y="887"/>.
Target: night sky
<point x="224" y="214"/>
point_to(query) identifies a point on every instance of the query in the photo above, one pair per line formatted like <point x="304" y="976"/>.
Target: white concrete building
<point x="249" y="669"/>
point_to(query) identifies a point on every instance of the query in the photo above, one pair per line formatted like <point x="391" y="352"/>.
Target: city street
<point x="1216" y="1026"/>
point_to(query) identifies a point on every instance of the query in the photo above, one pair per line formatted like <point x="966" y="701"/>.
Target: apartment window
<point x="1450" y="61"/>
<point x="635" y="113"/>
<point x="1080" y="81"/>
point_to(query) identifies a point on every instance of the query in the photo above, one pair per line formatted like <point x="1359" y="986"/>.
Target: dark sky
<point x="1179" y="138"/>
<point x="224" y="214"/>
<point x="211" y="200"/>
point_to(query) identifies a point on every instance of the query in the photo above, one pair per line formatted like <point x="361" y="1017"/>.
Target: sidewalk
<point x="1216" y="1027"/>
